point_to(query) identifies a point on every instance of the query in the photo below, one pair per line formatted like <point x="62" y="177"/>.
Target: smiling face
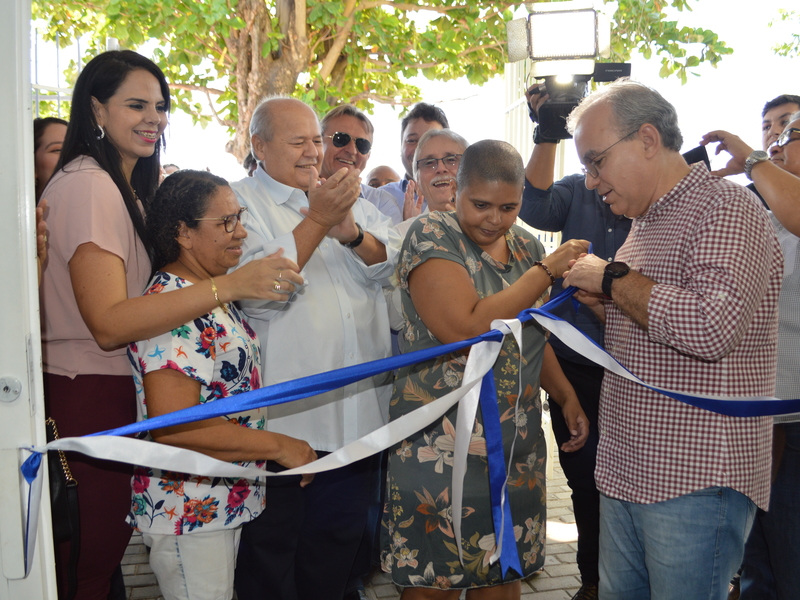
<point x="621" y="181"/>
<point x="295" y="145"/>
<point x="133" y="118"/>
<point x="788" y="156"/>
<point x="347" y="156"/>
<point x="208" y="247"/>
<point x="486" y="211"/>
<point x="46" y="155"/>
<point x="411" y="134"/>
<point x="438" y="185"/>
<point x="774" y="122"/>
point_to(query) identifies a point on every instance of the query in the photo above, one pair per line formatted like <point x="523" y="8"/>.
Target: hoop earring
<point x="102" y="133"/>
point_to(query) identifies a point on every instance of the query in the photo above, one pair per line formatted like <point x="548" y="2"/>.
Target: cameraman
<point x="578" y="213"/>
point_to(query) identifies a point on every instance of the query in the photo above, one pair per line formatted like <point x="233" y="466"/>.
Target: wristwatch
<point x="756" y="156"/>
<point x="359" y="238"/>
<point x="613" y="271"/>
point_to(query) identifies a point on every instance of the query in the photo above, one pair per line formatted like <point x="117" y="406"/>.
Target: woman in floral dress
<point x="458" y="271"/>
<point x="192" y="523"/>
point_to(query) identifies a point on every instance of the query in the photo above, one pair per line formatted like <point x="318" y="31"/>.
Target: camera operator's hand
<point x="535" y="100"/>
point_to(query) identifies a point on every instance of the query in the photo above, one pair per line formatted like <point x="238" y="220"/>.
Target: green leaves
<point x="237" y="51"/>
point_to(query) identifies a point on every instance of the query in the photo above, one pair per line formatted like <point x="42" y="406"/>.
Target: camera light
<point x="563" y="35"/>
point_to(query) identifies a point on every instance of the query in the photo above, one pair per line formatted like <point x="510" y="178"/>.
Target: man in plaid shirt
<point x="690" y="304"/>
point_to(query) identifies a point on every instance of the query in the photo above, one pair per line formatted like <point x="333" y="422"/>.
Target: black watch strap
<point x="614" y="270"/>
<point x="356" y="242"/>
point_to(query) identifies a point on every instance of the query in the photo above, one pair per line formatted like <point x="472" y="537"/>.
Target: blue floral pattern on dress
<point x="222" y="352"/>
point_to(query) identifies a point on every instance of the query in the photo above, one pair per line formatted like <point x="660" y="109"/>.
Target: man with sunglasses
<point x="303" y="546"/>
<point x="346" y="142"/>
<point x="690" y="304"/>
<point x="772" y="554"/>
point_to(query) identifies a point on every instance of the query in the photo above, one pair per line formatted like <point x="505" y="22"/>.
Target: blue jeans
<point x="771" y="566"/>
<point x="685" y="548"/>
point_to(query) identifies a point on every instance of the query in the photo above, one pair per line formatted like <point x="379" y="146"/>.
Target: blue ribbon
<point x="501" y="511"/>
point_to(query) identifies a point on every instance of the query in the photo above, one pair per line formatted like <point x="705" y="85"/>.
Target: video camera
<point x="564" y="40"/>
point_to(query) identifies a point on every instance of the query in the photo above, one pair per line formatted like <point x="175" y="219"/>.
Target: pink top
<point x="84" y="206"/>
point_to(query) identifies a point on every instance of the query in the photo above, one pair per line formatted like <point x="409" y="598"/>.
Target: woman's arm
<point x="168" y="391"/>
<point x="101" y="291"/>
<point x="558" y="387"/>
<point x="449" y="305"/>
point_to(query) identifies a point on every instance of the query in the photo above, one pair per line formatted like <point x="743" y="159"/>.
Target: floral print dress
<point x="221" y="352"/>
<point x="418" y="543"/>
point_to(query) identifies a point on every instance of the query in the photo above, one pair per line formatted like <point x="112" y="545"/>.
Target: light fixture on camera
<point x="564" y="41"/>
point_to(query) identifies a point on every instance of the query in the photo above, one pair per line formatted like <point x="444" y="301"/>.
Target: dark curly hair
<point x="182" y="198"/>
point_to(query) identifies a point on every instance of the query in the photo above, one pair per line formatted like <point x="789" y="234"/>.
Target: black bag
<point x="64" y="506"/>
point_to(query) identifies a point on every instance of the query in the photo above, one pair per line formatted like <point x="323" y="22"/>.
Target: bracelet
<point x="216" y="295"/>
<point x="547" y="270"/>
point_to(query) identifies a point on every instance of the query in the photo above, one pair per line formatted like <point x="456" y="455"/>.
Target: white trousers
<point x="195" y="566"/>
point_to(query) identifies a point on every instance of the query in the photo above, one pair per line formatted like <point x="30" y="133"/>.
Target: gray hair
<point x="347" y="110"/>
<point x="432" y="133"/>
<point x="633" y="104"/>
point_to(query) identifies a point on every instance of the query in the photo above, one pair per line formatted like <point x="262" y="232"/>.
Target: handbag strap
<point x="71" y="486"/>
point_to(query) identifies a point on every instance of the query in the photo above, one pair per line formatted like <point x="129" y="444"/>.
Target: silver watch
<point x="756" y="156"/>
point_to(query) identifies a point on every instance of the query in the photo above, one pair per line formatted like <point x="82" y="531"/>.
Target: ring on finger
<point x="276" y="285"/>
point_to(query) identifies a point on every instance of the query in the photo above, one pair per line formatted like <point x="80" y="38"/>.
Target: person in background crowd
<point x="48" y="137"/>
<point x="98" y="262"/>
<point x="170" y="168"/>
<point x="459" y="271"/>
<point x="774" y="118"/>
<point x="347" y="142"/>
<point x="419" y="119"/>
<point x="192" y="523"/>
<point x="382" y="175"/>
<point x="304" y="545"/>
<point x="250" y="164"/>
<point x="690" y="304"/>
<point x="772" y="555"/>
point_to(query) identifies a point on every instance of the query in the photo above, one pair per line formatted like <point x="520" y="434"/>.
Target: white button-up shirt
<point x="337" y="320"/>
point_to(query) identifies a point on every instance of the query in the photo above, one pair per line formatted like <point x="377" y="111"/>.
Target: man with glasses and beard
<point x="347" y="142"/>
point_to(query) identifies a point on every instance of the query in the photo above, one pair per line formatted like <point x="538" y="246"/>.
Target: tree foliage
<point x="222" y="56"/>
<point x="790" y="47"/>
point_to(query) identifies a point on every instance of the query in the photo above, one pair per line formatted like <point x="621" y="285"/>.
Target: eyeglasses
<point x="340" y="140"/>
<point x="785" y="138"/>
<point x="592" y="168"/>
<point x="449" y="162"/>
<point x="230" y="221"/>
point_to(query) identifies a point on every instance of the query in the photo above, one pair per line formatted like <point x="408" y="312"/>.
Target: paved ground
<point x="558" y="580"/>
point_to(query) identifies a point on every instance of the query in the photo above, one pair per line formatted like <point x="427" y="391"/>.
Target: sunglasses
<point x="340" y="140"/>
<point x="230" y="221"/>
<point x="785" y="138"/>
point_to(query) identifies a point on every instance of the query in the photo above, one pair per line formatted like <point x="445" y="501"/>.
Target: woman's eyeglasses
<point x="449" y="162"/>
<point x="230" y="221"/>
<point x="340" y="140"/>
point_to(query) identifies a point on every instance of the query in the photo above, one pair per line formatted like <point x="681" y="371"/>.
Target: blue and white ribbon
<point x="110" y="446"/>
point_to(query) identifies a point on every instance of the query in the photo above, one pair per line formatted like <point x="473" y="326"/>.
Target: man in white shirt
<point x="302" y="547"/>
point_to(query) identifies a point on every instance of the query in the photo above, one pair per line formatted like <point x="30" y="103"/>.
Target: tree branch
<point x="338" y="42"/>
<point x="196" y="88"/>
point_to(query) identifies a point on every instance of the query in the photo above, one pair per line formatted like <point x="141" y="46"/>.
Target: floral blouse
<point x="222" y="353"/>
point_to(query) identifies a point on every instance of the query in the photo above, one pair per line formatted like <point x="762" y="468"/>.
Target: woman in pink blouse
<point x="98" y="263"/>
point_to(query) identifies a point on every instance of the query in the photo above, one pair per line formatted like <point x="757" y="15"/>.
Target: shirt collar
<point x="698" y="173"/>
<point x="279" y="192"/>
